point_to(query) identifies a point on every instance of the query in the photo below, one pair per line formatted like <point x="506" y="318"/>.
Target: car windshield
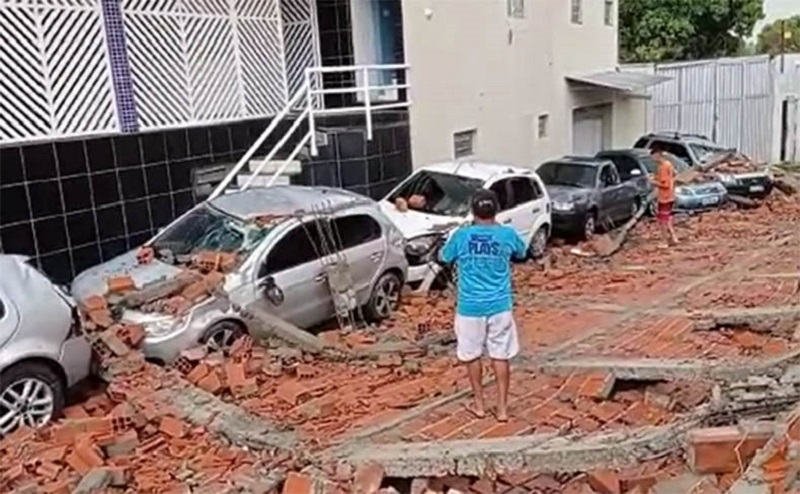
<point x="208" y="229"/>
<point x="705" y="152"/>
<point x="569" y="174"/>
<point x="445" y="194"/>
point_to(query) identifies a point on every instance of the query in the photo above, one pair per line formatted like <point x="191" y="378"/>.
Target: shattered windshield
<point x="445" y="194"/>
<point x="568" y="174"/>
<point x="208" y="229"/>
<point x="705" y="152"/>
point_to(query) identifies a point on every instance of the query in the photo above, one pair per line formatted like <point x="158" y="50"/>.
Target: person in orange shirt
<point x="665" y="194"/>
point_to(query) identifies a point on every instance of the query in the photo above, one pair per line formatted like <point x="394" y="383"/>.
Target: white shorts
<point x="497" y="333"/>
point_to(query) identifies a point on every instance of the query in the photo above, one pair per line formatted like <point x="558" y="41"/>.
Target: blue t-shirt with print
<point x="482" y="254"/>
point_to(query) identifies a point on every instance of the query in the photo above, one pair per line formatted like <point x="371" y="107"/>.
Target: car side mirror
<point x="636" y="173"/>
<point x="271" y="290"/>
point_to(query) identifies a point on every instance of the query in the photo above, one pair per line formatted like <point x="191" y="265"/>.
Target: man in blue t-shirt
<point x="482" y="252"/>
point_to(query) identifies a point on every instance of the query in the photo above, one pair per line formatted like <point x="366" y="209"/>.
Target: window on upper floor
<point x="516" y="9"/>
<point x="577" y="11"/>
<point x="609" y="13"/>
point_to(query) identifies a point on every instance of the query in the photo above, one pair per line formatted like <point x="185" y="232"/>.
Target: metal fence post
<point x="367" y="102"/>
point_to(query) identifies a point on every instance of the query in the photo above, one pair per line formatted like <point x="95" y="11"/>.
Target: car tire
<point x="220" y="336"/>
<point x="48" y="387"/>
<point x="385" y="297"/>
<point x="538" y="244"/>
<point x="589" y="225"/>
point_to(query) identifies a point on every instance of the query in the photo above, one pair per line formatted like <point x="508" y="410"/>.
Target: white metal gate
<point x="729" y="100"/>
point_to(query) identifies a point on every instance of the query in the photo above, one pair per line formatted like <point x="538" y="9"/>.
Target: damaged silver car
<point x="42" y="349"/>
<point x="292" y="243"/>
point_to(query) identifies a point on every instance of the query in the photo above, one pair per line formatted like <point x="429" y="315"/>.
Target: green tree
<point x="769" y="39"/>
<point x="664" y="30"/>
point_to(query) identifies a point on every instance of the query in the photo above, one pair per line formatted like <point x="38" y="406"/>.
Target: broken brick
<point x="598" y="386"/>
<point x="116" y="345"/>
<point x="172" y="427"/>
<point x="120" y="284"/>
<point x="298" y="483"/>
<point x="211" y="383"/>
<point x="724" y="449"/>
<point x="101" y="317"/>
<point x="95" y="302"/>
<point x="367" y="478"/>
<point x="198" y="373"/>
<point x="132" y="334"/>
<point x="604" y="481"/>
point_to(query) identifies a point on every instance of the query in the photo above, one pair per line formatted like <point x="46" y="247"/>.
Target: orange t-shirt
<point x="665" y="181"/>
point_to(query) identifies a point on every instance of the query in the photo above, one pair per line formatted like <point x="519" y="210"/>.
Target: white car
<point x="448" y="189"/>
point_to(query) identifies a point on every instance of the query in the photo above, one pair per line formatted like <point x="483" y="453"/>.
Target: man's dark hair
<point x="484" y="204"/>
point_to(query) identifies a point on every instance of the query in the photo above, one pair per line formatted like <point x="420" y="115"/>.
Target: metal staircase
<point x="306" y="106"/>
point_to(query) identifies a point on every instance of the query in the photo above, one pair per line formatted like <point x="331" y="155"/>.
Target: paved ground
<point x="615" y="351"/>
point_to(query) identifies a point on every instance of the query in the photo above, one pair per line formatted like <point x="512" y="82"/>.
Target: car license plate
<point x="707" y="201"/>
<point x="756" y="188"/>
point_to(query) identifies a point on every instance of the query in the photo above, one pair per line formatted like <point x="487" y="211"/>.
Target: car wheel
<point x="32" y="394"/>
<point x="589" y="225"/>
<point x="220" y="336"/>
<point x="538" y="243"/>
<point x="385" y="297"/>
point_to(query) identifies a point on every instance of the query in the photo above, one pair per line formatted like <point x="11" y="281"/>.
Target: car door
<point x="502" y="188"/>
<point x="360" y="239"/>
<point x="8" y="318"/>
<point x="632" y="173"/>
<point x="612" y="206"/>
<point x="295" y="263"/>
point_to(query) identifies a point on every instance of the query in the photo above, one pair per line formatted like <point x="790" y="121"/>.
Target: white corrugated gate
<point x="732" y="101"/>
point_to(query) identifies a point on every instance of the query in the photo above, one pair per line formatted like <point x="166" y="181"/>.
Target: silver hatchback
<point x="42" y="350"/>
<point x="286" y="239"/>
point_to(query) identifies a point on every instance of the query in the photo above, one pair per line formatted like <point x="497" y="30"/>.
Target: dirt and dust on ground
<point x="651" y="370"/>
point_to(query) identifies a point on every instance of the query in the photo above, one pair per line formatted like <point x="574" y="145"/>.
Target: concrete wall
<point x="472" y="66"/>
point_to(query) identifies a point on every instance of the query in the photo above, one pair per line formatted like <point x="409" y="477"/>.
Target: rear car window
<point x="352" y="231"/>
<point x="641" y="143"/>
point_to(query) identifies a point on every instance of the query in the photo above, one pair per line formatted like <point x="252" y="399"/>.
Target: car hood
<point x="565" y="193"/>
<point x="415" y="223"/>
<point x="93" y="281"/>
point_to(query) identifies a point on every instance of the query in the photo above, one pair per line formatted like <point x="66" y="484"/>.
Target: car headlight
<point x="563" y="206"/>
<point x="422" y="245"/>
<point x="728" y="179"/>
<point x="162" y="326"/>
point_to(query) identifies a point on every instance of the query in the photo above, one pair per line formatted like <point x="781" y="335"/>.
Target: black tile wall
<point x="370" y="167"/>
<point x="73" y="204"/>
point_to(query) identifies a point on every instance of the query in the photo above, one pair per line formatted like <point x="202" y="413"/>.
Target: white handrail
<point x="288" y="160"/>
<point x="282" y="142"/>
<point x="314" y="105"/>
<point x="250" y="152"/>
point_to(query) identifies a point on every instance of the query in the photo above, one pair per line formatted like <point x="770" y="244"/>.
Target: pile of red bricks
<point x="320" y="398"/>
<point x="125" y="441"/>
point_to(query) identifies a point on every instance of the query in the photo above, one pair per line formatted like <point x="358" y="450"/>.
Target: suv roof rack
<point x="680" y="135"/>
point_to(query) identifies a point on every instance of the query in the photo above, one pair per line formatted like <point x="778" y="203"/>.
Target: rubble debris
<point x="743" y="202"/>
<point x="726" y="449"/>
